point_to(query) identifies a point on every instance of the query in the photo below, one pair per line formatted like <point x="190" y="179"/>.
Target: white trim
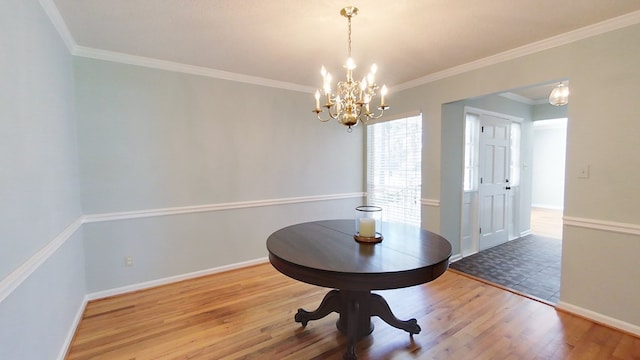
<point x="141" y="286"/>
<point x="525" y="233"/>
<point x="172" y="279"/>
<point x="562" y="39"/>
<point x="588" y="31"/>
<point x="58" y="23"/>
<point x="19" y="275"/>
<point x="123" y="58"/>
<point x="547" y="207"/>
<point x="455" y="258"/>
<point x="520" y="98"/>
<point x="430" y="202"/>
<point x="611" y="226"/>
<point x="72" y="329"/>
<point x="599" y="318"/>
<point x="126" y="215"/>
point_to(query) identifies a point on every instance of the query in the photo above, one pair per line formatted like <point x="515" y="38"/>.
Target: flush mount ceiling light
<point x="559" y="95"/>
<point x="350" y="105"/>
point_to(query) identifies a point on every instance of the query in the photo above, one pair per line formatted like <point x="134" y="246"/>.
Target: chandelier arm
<point x="324" y="120"/>
<point x="373" y="117"/>
<point x="334" y="115"/>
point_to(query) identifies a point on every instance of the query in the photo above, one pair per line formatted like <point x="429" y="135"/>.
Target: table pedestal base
<point x="356" y="309"/>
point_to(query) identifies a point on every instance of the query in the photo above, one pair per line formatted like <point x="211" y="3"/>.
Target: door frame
<point x="469" y="206"/>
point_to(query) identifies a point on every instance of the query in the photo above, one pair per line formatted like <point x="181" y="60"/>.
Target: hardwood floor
<point x="248" y="314"/>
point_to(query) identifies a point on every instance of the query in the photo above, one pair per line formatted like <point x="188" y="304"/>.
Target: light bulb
<point x="351" y="64"/>
<point x="383" y="92"/>
<point x="363" y="84"/>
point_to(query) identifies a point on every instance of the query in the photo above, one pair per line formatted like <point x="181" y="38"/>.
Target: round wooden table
<point x="324" y="253"/>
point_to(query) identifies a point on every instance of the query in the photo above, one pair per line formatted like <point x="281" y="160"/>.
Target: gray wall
<point x="548" y="111"/>
<point x="601" y="133"/>
<point x="39" y="184"/>
<point x="153" y="139"/>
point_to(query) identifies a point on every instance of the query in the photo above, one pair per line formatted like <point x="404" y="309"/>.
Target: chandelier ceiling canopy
<point x="351" y="102"/>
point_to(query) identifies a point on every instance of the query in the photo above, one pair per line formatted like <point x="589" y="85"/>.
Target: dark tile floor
<point x="530" y="265"/>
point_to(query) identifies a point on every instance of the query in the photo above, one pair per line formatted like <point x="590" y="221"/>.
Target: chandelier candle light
<point x="350" y="104"/>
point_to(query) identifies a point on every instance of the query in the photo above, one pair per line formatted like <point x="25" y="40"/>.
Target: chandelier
<point x="350" y="105"/>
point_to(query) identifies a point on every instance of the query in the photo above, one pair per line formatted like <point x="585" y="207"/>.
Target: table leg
<point x="331" y="302"/>
<point x="353" y="309"/>
<point x="380" y="308"/>
<point x="356" y="309"/>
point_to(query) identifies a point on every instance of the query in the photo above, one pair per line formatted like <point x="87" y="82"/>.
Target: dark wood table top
<point x="325" y="253"/>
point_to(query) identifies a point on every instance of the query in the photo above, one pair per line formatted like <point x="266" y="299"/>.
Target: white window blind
<point x="394" y="171"/>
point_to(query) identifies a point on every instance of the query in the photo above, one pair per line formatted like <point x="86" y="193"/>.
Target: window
<point x="471" y="131"/>
<point x="516" y="135"/>
<point x="394" y="168"/>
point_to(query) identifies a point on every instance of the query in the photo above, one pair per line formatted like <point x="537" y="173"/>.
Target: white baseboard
<point x="172" y="279"/>
<point x="547" y="207"/>
<point x="72" y="329"/>
<point x="142" y="286"/>
<point x="455" y="258"/>
<point x="599" y="318"/>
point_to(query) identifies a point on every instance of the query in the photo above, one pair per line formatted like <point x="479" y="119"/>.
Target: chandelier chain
<point x="349" y="36"/>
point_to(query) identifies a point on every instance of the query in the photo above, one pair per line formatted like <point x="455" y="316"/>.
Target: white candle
<point x="383" y="92"/>
<point x="367" y="227"/>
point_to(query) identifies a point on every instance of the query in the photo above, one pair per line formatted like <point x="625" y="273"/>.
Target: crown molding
<point x="82" y="51"/>
<point x="58" y="23"/>
<point x="518" y="98"/>
<point x="602" y="27"/>
<point x="616" y="23"/>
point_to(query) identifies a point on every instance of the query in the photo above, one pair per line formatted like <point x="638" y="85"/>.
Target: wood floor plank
<point x="248" y="314"/>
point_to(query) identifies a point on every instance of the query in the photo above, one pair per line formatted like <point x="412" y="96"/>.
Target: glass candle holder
<point x="368" y="221"/>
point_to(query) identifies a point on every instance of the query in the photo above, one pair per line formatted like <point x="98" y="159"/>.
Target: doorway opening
<point x="519" y="156"/>
<point x="547" y="198"/>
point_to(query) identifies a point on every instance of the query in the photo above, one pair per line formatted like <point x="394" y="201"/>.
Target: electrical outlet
<point x="128" y="261"/>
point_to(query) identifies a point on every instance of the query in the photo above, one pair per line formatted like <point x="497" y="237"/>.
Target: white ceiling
<point x="288" y="40"/>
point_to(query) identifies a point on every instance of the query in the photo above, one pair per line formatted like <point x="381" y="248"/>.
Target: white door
<point x="495" y="141"/>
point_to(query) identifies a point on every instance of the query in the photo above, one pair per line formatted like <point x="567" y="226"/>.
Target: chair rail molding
<point x="20" y="274"/>
<point x="610" y="226"/>
<point x="430" y="202"/>
<point x="126" y="215"/>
